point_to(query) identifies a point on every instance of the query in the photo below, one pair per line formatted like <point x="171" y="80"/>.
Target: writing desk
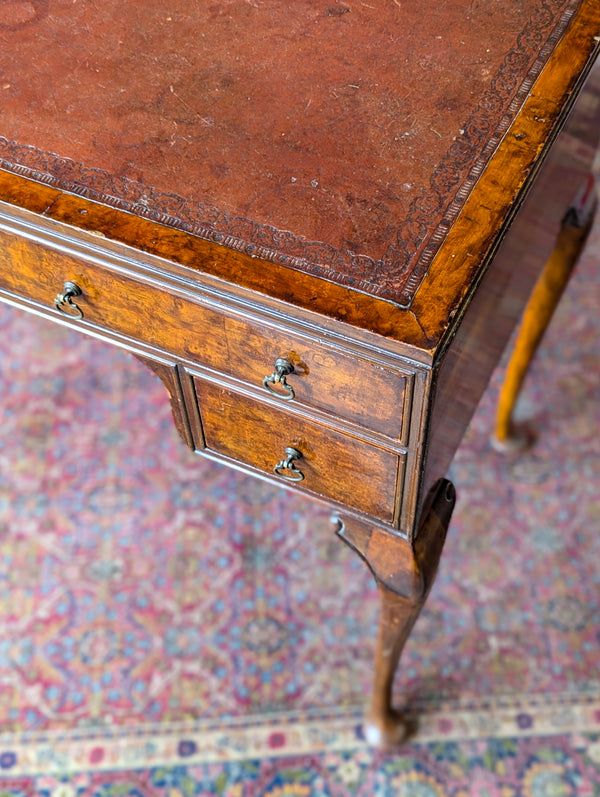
<point x="309" y="223"/>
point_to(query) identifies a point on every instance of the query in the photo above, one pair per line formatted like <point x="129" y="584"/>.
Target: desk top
<point x="340" y="139"/>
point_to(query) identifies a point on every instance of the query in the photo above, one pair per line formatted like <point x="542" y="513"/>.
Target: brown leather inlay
<point x="357" y="128"/>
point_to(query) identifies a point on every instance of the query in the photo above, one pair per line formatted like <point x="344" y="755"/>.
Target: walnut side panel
<point x="495" y="310"/>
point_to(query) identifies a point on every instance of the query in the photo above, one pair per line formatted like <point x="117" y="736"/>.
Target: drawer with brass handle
<point x="296" y="370"/>
<point x="289" y="367"/>
<point x="313" y="457"/>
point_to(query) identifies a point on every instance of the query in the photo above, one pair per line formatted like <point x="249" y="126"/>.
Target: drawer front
<point x="334" y="381"/>
<point x="337" y="382"/>
<point x="334" y="465"/>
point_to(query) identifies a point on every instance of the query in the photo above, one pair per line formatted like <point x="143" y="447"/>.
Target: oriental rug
<point x="170" y="627"/>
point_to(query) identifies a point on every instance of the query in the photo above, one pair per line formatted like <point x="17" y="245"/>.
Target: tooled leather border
<point x="398" y="275"/>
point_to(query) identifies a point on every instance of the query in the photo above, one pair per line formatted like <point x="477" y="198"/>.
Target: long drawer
<point x="314" y="374"/>
<point x="328" y="463"/>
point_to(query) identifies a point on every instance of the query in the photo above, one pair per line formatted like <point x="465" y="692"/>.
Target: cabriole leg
<point x="538" y="314"/>
<point x="383" y="725"/>
<point x="404" y="572"/>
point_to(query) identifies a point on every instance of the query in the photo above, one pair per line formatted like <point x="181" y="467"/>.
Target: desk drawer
<point x="333" y="465"/>
<point x="331" y="380"/>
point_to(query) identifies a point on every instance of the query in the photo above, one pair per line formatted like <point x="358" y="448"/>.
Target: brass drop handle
<point x="287" y="467"/>
<point x="283" y="368"/>
<point x="64" y="301"/>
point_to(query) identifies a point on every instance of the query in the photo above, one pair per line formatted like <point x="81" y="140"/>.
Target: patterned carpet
<point x="144" y="650"/>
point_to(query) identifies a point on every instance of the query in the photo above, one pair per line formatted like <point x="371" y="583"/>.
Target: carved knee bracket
<point x="402" y="566"/>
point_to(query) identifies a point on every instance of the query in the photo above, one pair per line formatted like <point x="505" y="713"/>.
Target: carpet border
<point x="291" y="733"/>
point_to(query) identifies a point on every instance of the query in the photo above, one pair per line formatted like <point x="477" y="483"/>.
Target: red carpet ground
<point x="169" y="627"/>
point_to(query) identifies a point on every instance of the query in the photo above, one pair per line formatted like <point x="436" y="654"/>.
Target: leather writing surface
<point x="335" y="137"/>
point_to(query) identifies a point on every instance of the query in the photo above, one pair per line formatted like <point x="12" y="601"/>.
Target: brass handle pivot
<point x="283" y="367"/>
<point x="287" y="467"/>
<point x="64" y="301"/>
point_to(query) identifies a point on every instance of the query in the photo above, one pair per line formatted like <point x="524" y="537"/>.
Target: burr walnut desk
<point x="298" y="216"/>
